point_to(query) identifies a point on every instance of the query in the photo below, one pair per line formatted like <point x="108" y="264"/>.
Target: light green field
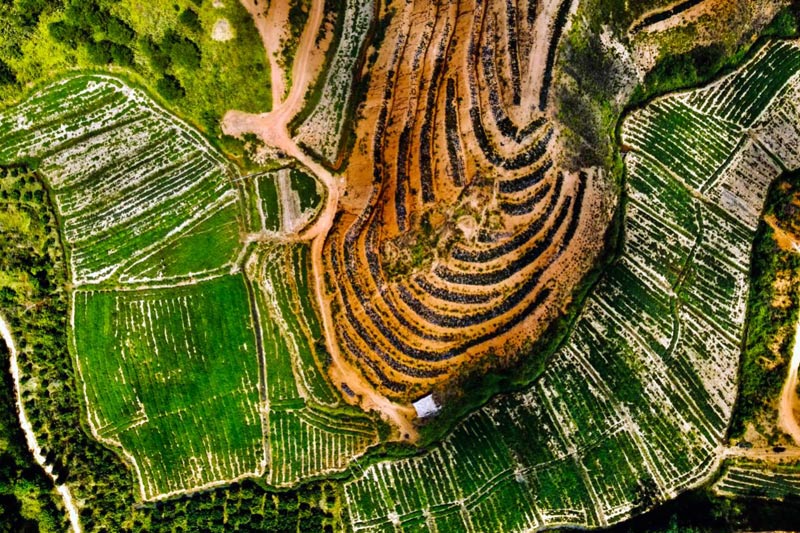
<point x="172" y="376"/>
<point x="126" y="176"/>
<point x="178" y="376"/>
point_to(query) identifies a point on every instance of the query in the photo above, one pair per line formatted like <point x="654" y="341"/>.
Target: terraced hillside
<point x="198" y="352"/>
<point x="460" y="235"/>
<point x="634" y="408"/>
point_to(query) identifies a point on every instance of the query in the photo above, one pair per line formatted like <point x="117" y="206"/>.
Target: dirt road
<point x="272" y="129"/>
<point x="787" y="421"/>
<point x="27" y="429"/>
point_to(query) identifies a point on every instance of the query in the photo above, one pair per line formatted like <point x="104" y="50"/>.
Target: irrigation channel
<point x="33" y="445"/>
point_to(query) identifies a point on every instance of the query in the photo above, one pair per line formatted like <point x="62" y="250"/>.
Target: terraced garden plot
<point x="310" y="433"/>
<point x="760" y="481"/>
<point x="322" y="131"/>
<point x="634" y="407"/>
<point x="171" y="376"/>
<point x="126" y="176"/>
<point x="460" y="231"/>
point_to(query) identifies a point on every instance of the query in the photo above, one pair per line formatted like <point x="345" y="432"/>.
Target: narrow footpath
<point x="33" y="445"/>
<point x="272" y="129"/>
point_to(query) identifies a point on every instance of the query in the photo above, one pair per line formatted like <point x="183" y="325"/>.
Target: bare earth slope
<point x="460" y="236"/>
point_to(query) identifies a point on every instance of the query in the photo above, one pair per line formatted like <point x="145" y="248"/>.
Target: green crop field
<point x="171" y="376"/>
<point x="196" y="373"/>
<point x="656" y="350"/>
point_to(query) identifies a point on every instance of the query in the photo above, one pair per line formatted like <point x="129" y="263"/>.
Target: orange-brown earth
<point x="454" y="236"/>
<point x="459" y="236"/>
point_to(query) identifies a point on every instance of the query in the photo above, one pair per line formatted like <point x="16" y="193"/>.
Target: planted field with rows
<point x="127" y="179"/>
<point x="172" y="377"/>
<point x="760" y="481"/>
<point x="634" y="408"/>
<point x="322" y="132"/>
<point x="200" y="356"/>
<point x="311" y="433"/>
<point x="280" y="202"/>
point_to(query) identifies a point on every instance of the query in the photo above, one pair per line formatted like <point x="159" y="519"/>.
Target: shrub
<point x="170" y="88"/>
<point x="189" y="18"/>
<point x="68" y="34"/>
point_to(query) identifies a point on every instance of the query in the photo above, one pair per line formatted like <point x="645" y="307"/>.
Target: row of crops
<point x="280" y="202"/>
<point x="634" y="407"/>
<point x="171" y="376"/>
<point x="322" y="131"/>
<point x="752" y="479"/>
<point x="308" y="436"/>
<point x="196" y="369"/>
<point x="126" y="178"/>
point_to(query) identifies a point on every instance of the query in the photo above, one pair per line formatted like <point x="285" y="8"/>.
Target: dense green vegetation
<point x="772" y="315"/>
<point x="172" y="376"/>
<point x="28" y="264"/>
<point x="164" y="45"/>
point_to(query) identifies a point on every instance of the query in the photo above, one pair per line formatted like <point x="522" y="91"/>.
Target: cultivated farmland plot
<point x="321" y="132"/>
<point x="280" y="203"/>
<point x="755" y="480"/>
<point x="635" y="406"/>
<point x="128" y="180"/>
<point x="197" y="373"/>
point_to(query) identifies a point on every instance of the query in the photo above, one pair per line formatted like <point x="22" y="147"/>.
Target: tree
<point x="186" y="54"/>
<point x="122" y="55"/>
<point x="7" y="76"/>
<point x="99" y="52"/>
<point x="189" y="18"/>
<point x="68" y="34"/>
<point x="159" y="60"/>
<point x="170" y="88"/>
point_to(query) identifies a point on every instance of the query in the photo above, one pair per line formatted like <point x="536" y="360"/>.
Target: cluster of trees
<point x="109" y="39"/>
<point x="760" y="382"/>
<point x="27" y="499"/>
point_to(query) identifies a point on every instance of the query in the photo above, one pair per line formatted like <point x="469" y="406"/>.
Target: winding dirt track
<point x="787" y="421"/>
<point x="272" y="129"/>
<point x="33" y="445"/>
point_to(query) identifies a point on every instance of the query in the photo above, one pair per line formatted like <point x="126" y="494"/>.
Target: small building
<point x="426" y="407"/>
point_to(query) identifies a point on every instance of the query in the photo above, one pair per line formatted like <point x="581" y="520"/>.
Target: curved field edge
<point x="654" y="353"/>
<point x="117" y="164"/>
<point x="208" y="72"/>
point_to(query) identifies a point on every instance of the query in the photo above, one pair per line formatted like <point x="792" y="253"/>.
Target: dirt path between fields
<point x="272" y="129"/>
<point x="763" y="454"/>
<point x="27" y="429"/>
<point x="266" y="20"/>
